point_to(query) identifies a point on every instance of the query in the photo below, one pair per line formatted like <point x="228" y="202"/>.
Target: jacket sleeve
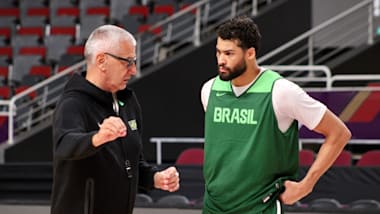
<point x="146" y="173"/>
<point x="70" y="138"/>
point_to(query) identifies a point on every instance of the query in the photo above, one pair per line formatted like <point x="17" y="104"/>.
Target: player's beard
<point x="234" y="72"/>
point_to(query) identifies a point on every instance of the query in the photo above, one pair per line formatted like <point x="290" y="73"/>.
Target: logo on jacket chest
<point x="132" y="124"/>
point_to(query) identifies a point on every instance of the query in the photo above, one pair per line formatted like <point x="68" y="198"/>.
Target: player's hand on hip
<point x="294" y="191"/>
<point x="167" y="179"/>
<point x="110" y="129"/>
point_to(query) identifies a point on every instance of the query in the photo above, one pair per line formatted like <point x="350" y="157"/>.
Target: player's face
<point x="121" y="66"/>
<point x="230" y="59"/>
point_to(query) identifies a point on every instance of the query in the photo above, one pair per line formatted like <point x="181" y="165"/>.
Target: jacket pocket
<point x="89" y="196"/>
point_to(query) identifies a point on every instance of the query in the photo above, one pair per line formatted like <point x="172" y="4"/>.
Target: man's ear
<point x="100" y="61"/>
<point x="251" y="53"/>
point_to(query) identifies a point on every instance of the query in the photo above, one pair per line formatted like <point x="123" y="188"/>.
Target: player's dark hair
<point x="243" y="29"/>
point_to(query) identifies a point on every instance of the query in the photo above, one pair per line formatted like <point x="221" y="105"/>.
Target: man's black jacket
<point x="95" y="180"/>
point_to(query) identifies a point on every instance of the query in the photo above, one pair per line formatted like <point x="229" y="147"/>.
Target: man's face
<point x="119" y="71"/>
<point x="230" y="59"/>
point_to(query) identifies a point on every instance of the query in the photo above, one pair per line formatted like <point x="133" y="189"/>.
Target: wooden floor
<point x="34" y="209"/>
<point x="37" y="209"/>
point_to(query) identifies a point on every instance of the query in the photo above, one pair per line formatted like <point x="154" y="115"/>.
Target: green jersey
<point x="247" y="157"/>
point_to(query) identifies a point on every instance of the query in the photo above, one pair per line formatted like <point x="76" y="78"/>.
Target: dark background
<point x="170" y="95"/>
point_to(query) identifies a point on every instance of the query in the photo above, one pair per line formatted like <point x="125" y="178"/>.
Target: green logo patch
<point x="133" y="124"/>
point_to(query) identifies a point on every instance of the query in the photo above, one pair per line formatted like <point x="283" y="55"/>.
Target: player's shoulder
<point x="207" y="85"/>
<point x="286" y="85"/>
<point x="209" y="81"/>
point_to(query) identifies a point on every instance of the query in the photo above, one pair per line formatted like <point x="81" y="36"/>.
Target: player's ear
<point x="251" y="53"/>
<point x="100" y="61"/>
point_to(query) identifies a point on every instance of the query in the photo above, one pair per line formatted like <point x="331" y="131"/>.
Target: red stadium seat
<point x="344" y="159"/>
<point x="139" y="10"/>
<point x="98" y="11"/>
<point x="145" y="27"/>
<point x="306" y="157"/>
<point x="191" y="156"/>
<point x="6" y="51"/>
<point x="40" y="70"/>
<point x="164" y="9"/>
<point x="6" y="31"/>
<point x="10" y="12"/>
<point x="40" y="11"/>
<point x="63" y="30"/>
<point x="62" y="68"/>
<point x="183" y="7"/>
<point x="4" y="72"/>
<point x="40" y="50"/>
<point x="75" y="49"/>
<point x="20" y="89"/>
<point x="40" y="31"/>
<point x="370" y="158"/>
<point x="3" y="119"/>
<point x="5" y="92"/>
<point x="68" y="11"/>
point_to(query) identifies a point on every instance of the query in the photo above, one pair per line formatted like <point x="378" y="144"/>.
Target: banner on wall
<point x="359" y="110"/>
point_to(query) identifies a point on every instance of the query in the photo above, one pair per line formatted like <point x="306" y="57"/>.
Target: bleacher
<point x="36" y="56"/>
<point x="343" y="189"/>
<point x="41" y="40"/>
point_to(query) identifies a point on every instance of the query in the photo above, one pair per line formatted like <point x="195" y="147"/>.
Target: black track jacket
<point x="95" y="180"/>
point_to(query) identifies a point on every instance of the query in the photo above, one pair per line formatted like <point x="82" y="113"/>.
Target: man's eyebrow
<point x="227" y="50"/>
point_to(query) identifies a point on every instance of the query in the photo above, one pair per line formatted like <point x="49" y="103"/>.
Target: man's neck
<point x="93" y="78"/>
<point x="247" y="77"/>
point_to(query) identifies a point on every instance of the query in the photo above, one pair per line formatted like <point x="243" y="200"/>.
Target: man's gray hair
<point x="104" y="39"/>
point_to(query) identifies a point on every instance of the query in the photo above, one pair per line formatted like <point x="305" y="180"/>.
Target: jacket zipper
<point x="89" y="196"/>
<point x="128" y="170"/>
<point x="127" y="163"/>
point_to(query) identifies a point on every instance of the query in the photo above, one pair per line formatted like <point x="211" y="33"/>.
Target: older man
<point x="98" y="158"/>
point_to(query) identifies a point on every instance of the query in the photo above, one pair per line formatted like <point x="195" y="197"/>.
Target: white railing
<point x="329" y="81"/>
<point x="305" y="73"/>
<point x="23" y="111"/>
<point x="187" y="27"/>
<point x="349" y="29"/>
<point x="159" y="141"/>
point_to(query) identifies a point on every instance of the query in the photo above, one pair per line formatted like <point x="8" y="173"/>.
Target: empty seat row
<point x="30" y="69"/>
<point x="115" y="10"/>
<point x="69" y="15"/>
<point x="195" y="156"/>
<point x="6" y="92"/>
<point x="167" y="201"/>
<point x="332" y="204"/>
<point x="47" y="31"/>
<point x="369" y="158"/>
<point x="118" y="7"/>
<point x="41" y="16"/>
<point x="29" y="47"/>
<point x="21" y="60"/>
<point x="31" y="72"/>
<point x="36" y="34"/>
<point x="319" y="204"/>
<point x="63" y="23"/>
